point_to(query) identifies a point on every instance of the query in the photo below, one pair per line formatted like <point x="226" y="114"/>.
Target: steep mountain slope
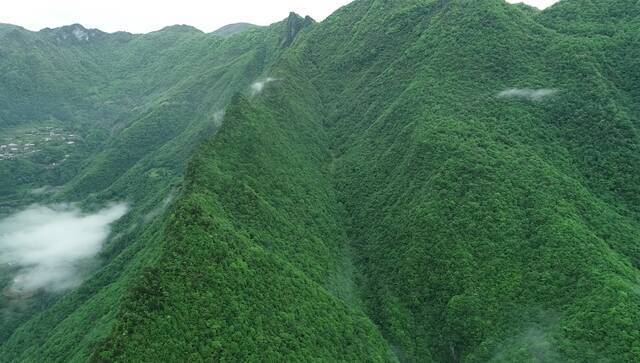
<point x="254" y="265"/>
<point x="142" y="162"/>
<point x="416" y="180"/>
<point x="485" y="226"/>
<point x="130" y="94"/>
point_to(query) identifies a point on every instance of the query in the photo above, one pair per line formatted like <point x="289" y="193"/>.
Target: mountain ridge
<point x="409" y="181"/>
<point x="233" y="29"/>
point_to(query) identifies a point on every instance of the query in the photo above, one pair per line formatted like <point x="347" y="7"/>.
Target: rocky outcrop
<point x="294" y="24"/>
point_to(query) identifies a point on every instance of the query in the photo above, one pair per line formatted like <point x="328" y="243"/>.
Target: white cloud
<point x="47" y="189"/>
<point x="258" y="87"/>
<point x="540" y="4"/>
<point x="527" y="93"/>
<point x="158" y="210"/>
<point x="218" y="118"/>
<point x="47" y="244"/>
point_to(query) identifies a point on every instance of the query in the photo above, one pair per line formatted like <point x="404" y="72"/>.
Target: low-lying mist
<point x="48" y="245"/>
<point x="528" y="93"/>
<point x="218" y="118"/>
<point x="158" y="210"/>
<point x="258" y="87"/>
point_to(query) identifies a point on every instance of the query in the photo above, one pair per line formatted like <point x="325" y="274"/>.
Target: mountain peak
<point x="74" y="32"/>
<point x="293" y="25"/>
<point x="233" y="29"/>
<point x="294" y="15"/>
<point x="181" y="28"/>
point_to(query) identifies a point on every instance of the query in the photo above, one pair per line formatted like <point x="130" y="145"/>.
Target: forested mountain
<point x="407" y="180"/>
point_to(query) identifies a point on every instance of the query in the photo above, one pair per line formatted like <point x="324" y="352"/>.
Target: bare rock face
<point x="74" y="33"/>
<point x="295" y="23"/>
<point x="80" y="34"/>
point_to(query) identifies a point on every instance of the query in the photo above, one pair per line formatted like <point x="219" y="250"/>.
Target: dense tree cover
<point x="464" y="138"/>
<point x="140" y="96"/>
<point x="485" y="227"/>
<point x="178" y="81"/>
<point x="254" y="265"/>
<point x="233" y="29"/>
<point x="422" y="180"/>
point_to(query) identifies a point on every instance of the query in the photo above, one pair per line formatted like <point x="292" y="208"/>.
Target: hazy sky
<point x="141" y="16"/>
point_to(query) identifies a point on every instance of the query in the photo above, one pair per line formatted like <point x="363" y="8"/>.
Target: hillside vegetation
<point x="410" y="180"/>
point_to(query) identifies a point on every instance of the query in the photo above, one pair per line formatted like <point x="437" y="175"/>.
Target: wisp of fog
<point x="528" y="93"/>
<point x="47" y="189"/>
<point x="158" y="210"/>
<point x="258" y="87"/>
<point x="218" y="118"/>
<point x="48" y="244"/>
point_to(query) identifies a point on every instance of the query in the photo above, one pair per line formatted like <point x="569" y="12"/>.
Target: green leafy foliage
<point x="414" y="180"/>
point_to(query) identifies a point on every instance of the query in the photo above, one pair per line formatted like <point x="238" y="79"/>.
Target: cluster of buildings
<point x="10" y="151"/>
<point x="16" y="146"/>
